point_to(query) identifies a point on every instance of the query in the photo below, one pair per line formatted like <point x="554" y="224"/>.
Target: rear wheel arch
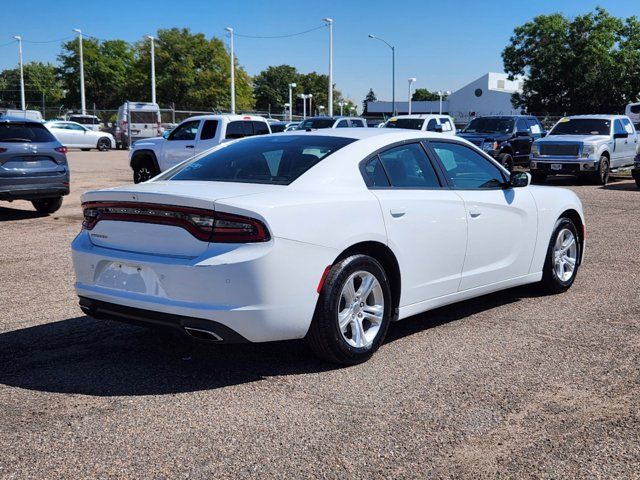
<point x="385" y="256"/>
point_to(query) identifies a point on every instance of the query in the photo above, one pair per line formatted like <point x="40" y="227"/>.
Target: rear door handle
<point x="474" y="212"/>
<point x="190" y="146"/>
<point x="397" y="213"/>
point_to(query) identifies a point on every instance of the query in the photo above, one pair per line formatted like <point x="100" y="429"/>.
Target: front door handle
<point x="190" y="146"/>
<point x="397" y="213"/>
<point x="474" y="212"/>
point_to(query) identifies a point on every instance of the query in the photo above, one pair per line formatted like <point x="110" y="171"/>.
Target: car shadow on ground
<point x="96" y="357"/>
<point x="622" y="186"/>
<point x="10" y="214"/>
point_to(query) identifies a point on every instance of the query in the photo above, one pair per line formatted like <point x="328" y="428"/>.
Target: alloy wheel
<point x="360" y="309"/>
<point x="565" y="255"/>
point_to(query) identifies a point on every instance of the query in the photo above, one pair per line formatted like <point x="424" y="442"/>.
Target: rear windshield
<point x="581" y="126"/>
<point x="411" y="123"/>
<point x="25" y="132"/>
<point x="314" y="123"/>
<point x="635" y="108"/>
<point x="277" y="160"/>
<point x="489" y="125"/>
<point x="144" y="117"/>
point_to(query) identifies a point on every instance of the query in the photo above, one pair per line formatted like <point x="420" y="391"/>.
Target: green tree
<point x="271" y="87"/>
<point x="371" y="97"/>
<point x="587" y="64"/>
<point x="106" y="68"/>
<point x="39" y="78"/>
<point x="424" y="95"/>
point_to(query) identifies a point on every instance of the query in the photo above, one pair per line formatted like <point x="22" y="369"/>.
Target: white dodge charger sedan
<point x="329" y="235"/>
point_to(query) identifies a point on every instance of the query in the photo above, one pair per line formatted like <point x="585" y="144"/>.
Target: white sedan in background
<point x="74" y="135"/>
<point x="329" y="235"/>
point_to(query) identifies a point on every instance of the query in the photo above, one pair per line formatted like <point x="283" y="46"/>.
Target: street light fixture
<point x="342" y="104"/>
<point x="233" y="73"/>
<point x="393" y="70"/>
<point x="351" y="110"/>
<point x="83" y="106"/>
<point x="153" y="68"/>
<point x="329" y="22"/>
<point x="411" y="81"/>
<point x="441" y="94"/>
<point x="22" y="101"/>
<point x="291" y="87"/>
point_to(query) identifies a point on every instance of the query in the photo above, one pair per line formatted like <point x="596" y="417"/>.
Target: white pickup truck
<point x="151" y="156"/>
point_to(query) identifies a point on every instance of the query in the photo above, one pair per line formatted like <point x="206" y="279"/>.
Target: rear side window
<point x="239" y="129"/>
<point x="377" y="175"/>
<point x="25" y="132"/>
<point x="408" y="166"/>
<point x="534" y="126"/>
<point x="628" y="126"/>
<point x="446" y="124"/>
<point x="260" y="128"/>
<point x="209" y="129"/>
<point x="357" y="123"/>
<point x="269" y="159"/>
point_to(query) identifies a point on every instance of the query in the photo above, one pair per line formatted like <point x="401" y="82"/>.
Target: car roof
<point x="12" y="119"/>
<point x="600" y="116"/>
<point x="421" y="115"/>
<point x="229" y="116"/>
<point x="365" y="133"/>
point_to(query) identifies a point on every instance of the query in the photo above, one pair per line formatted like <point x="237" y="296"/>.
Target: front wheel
<point x="144" y="171"/>
<point x="353" y="312"/>
<point x="104" y="144"/>
<point x="563" y="257"/>
<point x="601" y="177"/>
<point x="47" y="205"/>
<point x="506" y="160"/>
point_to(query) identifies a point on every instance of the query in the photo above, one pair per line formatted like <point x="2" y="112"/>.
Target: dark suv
<point x="507" y="138"/>
<point x="33" y="164"/>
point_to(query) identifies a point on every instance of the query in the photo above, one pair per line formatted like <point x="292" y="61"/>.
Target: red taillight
<point x="62" y="150"/>
<point x="205" y="225"/>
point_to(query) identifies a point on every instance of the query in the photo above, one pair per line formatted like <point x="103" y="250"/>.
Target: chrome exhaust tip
<point x="202" y="334"/>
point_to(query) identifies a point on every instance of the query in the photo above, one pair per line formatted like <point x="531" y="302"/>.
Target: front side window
<point x="269" y="159"/>
<point x="357" y="123"/>
<point x="408" y="166"/>
<point x="618" y="128"/>
<point x="73" y="126"/>
<point x="467" y="169"/>
<point x="431" y="126"/>
<point x="185" y="131"/>
<point x="581" y="126"/>
<point x="522" y="126"/>
<point x="342" y="124"/>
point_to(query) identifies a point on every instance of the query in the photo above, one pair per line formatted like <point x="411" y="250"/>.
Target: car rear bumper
<point x="21" y="190"/>
<point x="261" y="292"/>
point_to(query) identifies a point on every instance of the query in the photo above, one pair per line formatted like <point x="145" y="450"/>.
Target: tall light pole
<point x="441" y="94"/>
<point x="83" y="106"/>
<point x="304" y="97"/>
<point x="393" y="70"/>
<point x="22" y="102"/>
<point x="291" y="87"/>
<point x="233" y="71"/>
<point x="329" y="22"/>
<point x="411" y="80"/>
<point x="310" y="97"/>
<point x="153" y="68"/>
<point x="342" y="104"/>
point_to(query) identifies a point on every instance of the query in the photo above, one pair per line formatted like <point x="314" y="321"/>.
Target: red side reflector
<point x="323" y="278"/>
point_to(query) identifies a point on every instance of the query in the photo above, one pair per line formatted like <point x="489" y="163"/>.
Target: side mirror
<point x="519" y="179"/>
<point x="620" y="135"/>
<point x="522" y="133"/>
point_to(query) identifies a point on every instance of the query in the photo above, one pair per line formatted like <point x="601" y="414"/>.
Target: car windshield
<point x="314" y="123"/>
<point x="489" y="125"/>
<point x="25" y="132"/>
<point x="582" y="126"/>
<point x="411" y="123"/>
<point x="277" y="160"/>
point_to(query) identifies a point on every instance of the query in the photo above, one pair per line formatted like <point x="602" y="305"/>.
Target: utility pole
<point x="233" y="73"/>
<point x="153" y="68"/>
<point x="329" y="22"/>
<point x="83" y="107"/>
<point x="291" y="87"/>
<point x="22" y="101"/>
<point x="411" y="80"/>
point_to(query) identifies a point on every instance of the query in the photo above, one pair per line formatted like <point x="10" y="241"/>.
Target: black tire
<point x="104" y="144"/>
<point x="638" y="182"/>
<point x="324" y="336"/>
<point x="538" y="177"/>
<point x="551" y="282"/>
<point x="85" y="149"/>
<point x="601" y="177"/>
<point x="47" y="205"/>
<point x="144" y="170"/>
<point x="506" y="160"/>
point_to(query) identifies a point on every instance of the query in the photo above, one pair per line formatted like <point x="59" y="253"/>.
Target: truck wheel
<point x="144" y="170"/>
<point x="538" y="177"/>
<point x="506" y="160"/>
<point x="601" y="177"/>
<point x="47" y="205"/>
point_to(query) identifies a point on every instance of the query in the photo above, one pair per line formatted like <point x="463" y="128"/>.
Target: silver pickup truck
<point x="592" y="145"/>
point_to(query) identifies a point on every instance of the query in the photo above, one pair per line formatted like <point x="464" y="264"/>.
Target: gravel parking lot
<point x="509" y="385"/>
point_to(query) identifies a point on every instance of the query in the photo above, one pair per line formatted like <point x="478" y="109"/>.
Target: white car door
<point x="502" y="222"/>
<point x="180" y="144"/>
<point x="75" y="135"/>
<point x="426" y="223"/>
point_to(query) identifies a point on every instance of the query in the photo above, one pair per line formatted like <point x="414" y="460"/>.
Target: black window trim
<point x="420" y="141"/>
<point x="443" y="170"/>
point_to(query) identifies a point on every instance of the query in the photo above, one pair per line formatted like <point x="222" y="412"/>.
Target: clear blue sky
<point x="445" y="44"/>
